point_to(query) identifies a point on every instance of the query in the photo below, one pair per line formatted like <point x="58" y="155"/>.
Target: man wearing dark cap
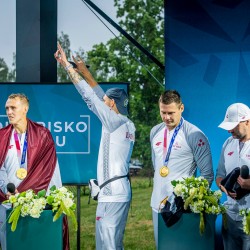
<point x="120" y="98"/>
<point x="116" y="146"/>
<point x="235" y="154"/>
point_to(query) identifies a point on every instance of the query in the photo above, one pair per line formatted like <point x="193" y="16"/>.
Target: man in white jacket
<point x="179" y="148"/>
<point x="117" y="140"/>
<point x="235" y="153"/>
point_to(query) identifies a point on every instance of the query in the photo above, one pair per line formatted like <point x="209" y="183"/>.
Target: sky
<point x="74" y="18"/>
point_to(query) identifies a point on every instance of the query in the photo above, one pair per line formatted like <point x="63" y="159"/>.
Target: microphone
<point x="244" y="172"/>
<point x="11" y="188"/>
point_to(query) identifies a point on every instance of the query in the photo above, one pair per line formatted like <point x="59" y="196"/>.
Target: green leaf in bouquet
<point x="53" y="188"/>
<point x="14" y="213"/>
<point x="202" y="224"/>
<point x="50" y="199"/>
<point x="58" y="214"/>
<point x="189" y="200"/>
<point x="211" y="199"/>
<point x="201" y="191"/>
<point x="14" y="217"/>
<point x="174" y="183"/>
<point x="64" y="208"/>
<point x="41" y="193"/>
<point x="73" y="207"/>
<point x="248" y="223"/>
<point x="23" y="194"/>
<point x="74" y="221"/>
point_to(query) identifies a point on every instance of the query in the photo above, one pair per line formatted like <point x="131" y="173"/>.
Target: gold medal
<point x="21" y="173"/>
<point x="164" y="171"/>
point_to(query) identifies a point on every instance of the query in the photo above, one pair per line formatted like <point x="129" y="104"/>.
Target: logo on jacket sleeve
<point x="201" y="143"/>
<point x="130" y="136"/>
<point x="230" y="153"/>
<point x="158" y="143"/>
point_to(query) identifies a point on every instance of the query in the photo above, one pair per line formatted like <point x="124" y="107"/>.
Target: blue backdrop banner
<point x="207" y="58"/>
<point x="75" y="129"/>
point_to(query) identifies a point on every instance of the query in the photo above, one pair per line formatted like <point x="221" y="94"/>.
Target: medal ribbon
<point x="171" y="142"/>
<point x="20" y="156"/>
<point x="165" y="143"/>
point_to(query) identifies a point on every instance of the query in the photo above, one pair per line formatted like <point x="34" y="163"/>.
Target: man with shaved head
<point x="27" y="157"/>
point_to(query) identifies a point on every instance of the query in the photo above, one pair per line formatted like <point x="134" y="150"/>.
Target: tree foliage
<point x="4" y="70"/>
<point x="12" y="71"/>
<point x="120" y="61"/>
<point x="8" y="74"/>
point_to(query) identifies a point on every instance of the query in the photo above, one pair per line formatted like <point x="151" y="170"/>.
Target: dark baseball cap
<point x="121" y="99"/>
<point x="75" y="66"/>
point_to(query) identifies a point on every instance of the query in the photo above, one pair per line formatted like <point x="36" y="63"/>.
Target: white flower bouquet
<point x="62" y="201"/>
<point x="28" y="203"/>
<point x="198" y="197"/>
<point x="246" y="220"/>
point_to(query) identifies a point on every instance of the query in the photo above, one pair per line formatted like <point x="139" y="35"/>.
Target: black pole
<point x="130" y="38"/>
<point x="36" y="41"/>
<point x="28" y="41"/>
<point x="48" y="40"/>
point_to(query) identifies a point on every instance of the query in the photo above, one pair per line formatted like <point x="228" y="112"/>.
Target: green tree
<point x="8" y="74"/>
<point x="120" y="61"/>
<point x="4" y="71"/>
<point x="12" y="71"/>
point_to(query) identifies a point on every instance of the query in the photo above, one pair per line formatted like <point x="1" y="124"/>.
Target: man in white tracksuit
<point x="30" y="153"/>
<point x="178" y="148"/>
<point x="117" y="140"/>
<point x="235" y="153"/>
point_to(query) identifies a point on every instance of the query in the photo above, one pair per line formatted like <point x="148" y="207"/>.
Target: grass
<point x="139" y="230"/>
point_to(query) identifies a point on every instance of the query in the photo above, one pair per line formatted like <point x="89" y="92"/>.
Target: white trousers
<point x="111" y="218"/>
<point x="155" y="223"/>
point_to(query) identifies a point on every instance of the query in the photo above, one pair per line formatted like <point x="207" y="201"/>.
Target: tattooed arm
<point x="62" y="59"/>
<point x="81" y="67"/>
<point x="74" y="76"/>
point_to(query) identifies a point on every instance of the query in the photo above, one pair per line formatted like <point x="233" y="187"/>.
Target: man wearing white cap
<point x="235" y="153"/>
<point x="117" y="141"/>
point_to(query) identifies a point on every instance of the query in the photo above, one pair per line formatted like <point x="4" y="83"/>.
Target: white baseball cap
<point x="235" y="114"/>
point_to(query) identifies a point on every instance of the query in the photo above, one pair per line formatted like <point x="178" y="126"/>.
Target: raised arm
<point x="90" y="91"/>
<point x="81" y="66"/>
<point x="61" y="58"/>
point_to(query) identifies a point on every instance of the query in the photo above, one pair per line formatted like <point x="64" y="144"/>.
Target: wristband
<point x="68" y="67"/>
